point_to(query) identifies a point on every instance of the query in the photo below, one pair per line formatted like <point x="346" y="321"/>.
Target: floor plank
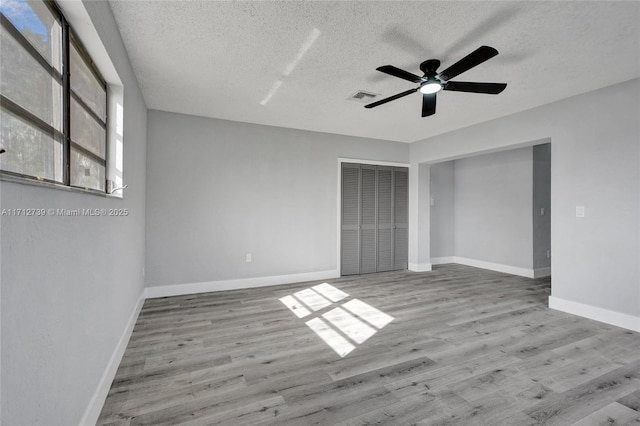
<point x="466" y="346"/>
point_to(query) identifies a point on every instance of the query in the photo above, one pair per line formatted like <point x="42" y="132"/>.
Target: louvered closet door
<point x="401" y="219"/>
<point x="385" y="219"/>
<point x="368" y="249"/>
<point x="350" y="219"/>
<point x="374" y="219"/>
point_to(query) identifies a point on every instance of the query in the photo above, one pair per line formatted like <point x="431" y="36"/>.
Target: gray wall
<point x="541" y="200"/>
<point x="493" y="201"/>
<point x="442" y="203"/>
<point x="595" y="152"/>
<point x="70" y="284"/>
<point x="481" y="209"/>
<point x="217" y="190"/>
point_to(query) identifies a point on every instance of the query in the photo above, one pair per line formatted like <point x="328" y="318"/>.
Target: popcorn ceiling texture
<point x="221" y="59"/>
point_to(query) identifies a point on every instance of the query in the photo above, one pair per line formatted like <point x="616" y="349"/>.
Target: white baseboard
<point x="208" y="286"/>
<point x="507" y="269"/>
<point x="91" y="414"/>
<point x="419" y="267"/>
<point x="593" y="312"/>
<point x="514" y="270"/>
<point x="541" y="272"/>
<point x="443" y="260"/>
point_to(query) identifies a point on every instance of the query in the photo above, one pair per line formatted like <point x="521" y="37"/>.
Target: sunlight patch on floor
<point x="330" y="292"/>
<point x="295" y="306"/>
<point x="312" y="299"/>
<point x="357" y="330"/>
<point x="373" y="316"/>
<point x="354" y="322"/>
<point x="330" y="336"/>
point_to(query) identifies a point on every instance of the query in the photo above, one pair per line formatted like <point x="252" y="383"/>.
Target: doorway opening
<point x="493" y="211"/>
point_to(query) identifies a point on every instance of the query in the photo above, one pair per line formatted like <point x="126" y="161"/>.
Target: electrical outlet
<point x="580" y="211"/>
<point x="541" y="211"/>
<point x="247" y="257"/>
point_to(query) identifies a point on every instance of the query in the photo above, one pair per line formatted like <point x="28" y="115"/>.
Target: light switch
<point x="248" y="257"/>
<point x="580" y="211"/>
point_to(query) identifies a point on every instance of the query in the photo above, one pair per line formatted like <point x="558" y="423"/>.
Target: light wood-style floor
<point x="466" y="347"/>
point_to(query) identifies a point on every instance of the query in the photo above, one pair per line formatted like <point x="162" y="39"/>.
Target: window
<point x="53" y="114"/>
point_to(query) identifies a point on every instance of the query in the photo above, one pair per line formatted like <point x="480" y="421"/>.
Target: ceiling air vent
<point x="363" y="96"/>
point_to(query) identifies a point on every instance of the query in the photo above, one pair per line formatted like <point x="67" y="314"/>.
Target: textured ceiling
<point x="225" y="59"/>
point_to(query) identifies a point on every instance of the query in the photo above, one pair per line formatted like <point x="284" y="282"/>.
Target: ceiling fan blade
<point x="474" y="58"/>
<point x="464" y="86"/>
<point x="428" y="104"/>
<point x="397" y="72"/>
<point x="391" y="98"/>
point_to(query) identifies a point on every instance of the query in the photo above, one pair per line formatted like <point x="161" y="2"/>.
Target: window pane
<point x="29" y="151"/>
<point x="35" y="21"/>
<point x="26" y="83"/>
<point x="85" y="172"/>
<point x="85" y="130"/>
<point x="85" y="85"/>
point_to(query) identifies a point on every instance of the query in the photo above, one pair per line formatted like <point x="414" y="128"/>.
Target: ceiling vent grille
<point x="363" y="96"/>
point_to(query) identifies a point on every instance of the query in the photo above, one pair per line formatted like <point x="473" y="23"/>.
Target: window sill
<point x="44" y="184"/>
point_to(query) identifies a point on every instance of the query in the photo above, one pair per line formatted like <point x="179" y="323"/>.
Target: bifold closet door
<point x="400" y="218"/>
<point x="385" y="219"/>
<point x="350" y="236"/>
<point x="368" y="220"/>
<point x="374" y="218"/>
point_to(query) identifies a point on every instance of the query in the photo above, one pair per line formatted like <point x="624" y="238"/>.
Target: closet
<point x="374" y="235"/>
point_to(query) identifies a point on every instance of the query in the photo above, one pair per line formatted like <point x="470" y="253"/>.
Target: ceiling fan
<point x="432" y="82"/>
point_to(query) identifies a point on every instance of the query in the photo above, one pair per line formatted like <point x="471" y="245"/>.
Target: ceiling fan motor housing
<point x="429" y="67"/>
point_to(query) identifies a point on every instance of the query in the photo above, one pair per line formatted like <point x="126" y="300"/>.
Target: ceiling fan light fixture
<point x="432" y="82"/>
<point x="430" y="87"/>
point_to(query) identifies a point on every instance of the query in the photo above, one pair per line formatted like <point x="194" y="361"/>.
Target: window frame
<point x="69" y="40"/>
